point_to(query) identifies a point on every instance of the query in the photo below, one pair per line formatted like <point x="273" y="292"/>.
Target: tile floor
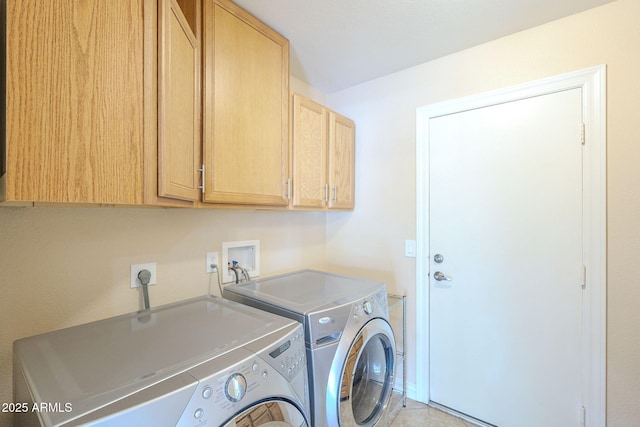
<point x="418" y="414"/>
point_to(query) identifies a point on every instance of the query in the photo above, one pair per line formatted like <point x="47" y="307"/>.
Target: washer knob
<point x="366" y="307"/>
<point x="207" y="392"/>
<point x="236" y="387"/>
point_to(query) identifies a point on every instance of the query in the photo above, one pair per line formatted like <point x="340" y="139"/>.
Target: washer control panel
<point x="289" y="358"/>
<point x="243" y="376"/>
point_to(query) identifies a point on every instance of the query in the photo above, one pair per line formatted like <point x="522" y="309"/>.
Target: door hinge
<point x="201" y="170"/>
<point x="583" y="416"/>
<point x="583" y="138"/>
<point x="583" y="276"/>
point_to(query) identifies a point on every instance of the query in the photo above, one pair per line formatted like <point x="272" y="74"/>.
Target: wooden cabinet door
<point x="74" y="104"/>
<point x="246" y="108"/>
<point x="179" y="137"/>
<point x="342" y="147"/>
<point x="310" y="184"/>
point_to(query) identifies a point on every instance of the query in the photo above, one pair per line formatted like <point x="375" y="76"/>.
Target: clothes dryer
<point x="202" y="362"/>
<point x="349" y="342"/>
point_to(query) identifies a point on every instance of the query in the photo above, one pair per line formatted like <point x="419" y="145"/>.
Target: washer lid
<point x="95" y="364"/>
<point x="307" y="291"/>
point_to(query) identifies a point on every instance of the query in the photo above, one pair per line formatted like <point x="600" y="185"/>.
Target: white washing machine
<point x="201" y="362"/>
<point x="350" y="344"/>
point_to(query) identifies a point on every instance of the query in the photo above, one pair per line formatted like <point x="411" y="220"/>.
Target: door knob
<point x="439" y="276"/>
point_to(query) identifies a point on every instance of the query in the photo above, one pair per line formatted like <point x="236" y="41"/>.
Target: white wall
<point x="370" y="241"/>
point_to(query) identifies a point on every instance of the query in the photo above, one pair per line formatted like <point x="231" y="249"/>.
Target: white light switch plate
<point x="410" y="248"/>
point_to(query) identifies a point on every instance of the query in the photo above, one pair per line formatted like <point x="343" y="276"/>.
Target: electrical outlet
<point x="211" y="259"/>
<point x="137" y="268"/>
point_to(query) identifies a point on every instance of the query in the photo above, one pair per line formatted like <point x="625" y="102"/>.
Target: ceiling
<point x="336" y="44"/>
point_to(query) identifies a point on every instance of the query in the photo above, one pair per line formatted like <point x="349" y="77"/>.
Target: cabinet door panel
<point x="309" y="153"/>
<point x="179" y="142"/>
<point x="341" y="162"/>
<point x="74" y="113"/>
<point x="246" y="149"/>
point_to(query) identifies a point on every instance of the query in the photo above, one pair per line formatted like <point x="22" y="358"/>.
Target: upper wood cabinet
<point x="179" y="100"/>
<point x="128" y="101"/>
<point x="323" y="157"/>
<point x="245" y="108"/>
<point x="342" y="139"/>
<point x="74" y="111"/>
<point x="310" y="185"/>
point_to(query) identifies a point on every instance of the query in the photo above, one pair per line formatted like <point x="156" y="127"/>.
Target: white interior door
<point x="505" y="208"/>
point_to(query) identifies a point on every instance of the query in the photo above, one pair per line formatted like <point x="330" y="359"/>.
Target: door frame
<point x="592" y="81"/>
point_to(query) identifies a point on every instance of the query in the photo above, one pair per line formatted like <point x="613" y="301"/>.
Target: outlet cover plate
<point x="137" y="268"/>
<point x="211" y="259"/>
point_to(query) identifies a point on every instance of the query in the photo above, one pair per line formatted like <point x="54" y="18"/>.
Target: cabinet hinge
<point x="582" y="134"/>
<point x="583" y="276"/>
<point x="201" y="170"/>
<point x="583" y="416"/>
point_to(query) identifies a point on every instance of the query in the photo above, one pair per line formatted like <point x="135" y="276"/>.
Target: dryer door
<point x="273" y="413"/>
<point x="367" y="375"/>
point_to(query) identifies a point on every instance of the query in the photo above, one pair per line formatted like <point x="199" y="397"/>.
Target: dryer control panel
<point x="259" y="371"/>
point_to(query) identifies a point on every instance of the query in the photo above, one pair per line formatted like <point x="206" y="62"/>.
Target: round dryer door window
<point x="275" y="413"/>
<point x="367" y="378"/>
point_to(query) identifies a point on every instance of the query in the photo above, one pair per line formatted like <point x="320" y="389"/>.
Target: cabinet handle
<point x="289" y="189"/>
<point x="326" y="193"/>
<point x="335" y="194"/>
<point x="201" y="170"/>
